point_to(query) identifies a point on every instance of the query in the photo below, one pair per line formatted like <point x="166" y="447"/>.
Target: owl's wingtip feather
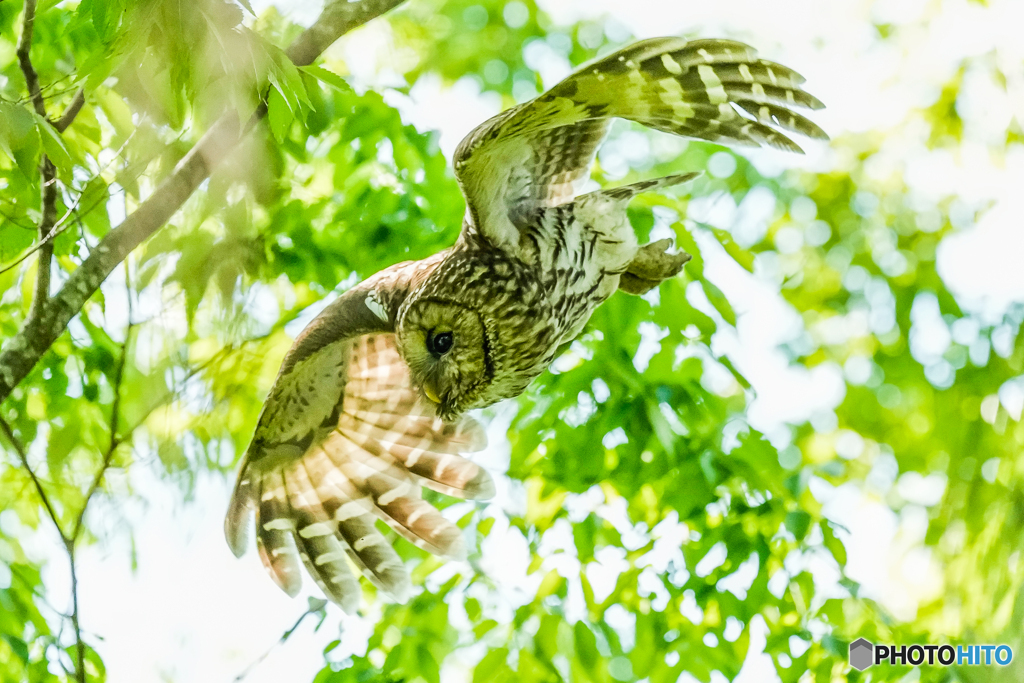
<point x="401" y="590"/>
<point x="480" y="487"/>
<point x="455" y="548"/>
<point x="349" y="602"/>
<point x="238" y="518"/>
<point x="474" y="435"/>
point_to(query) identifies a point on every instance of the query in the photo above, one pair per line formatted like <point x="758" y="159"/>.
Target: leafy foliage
<point x="658" y="527"/>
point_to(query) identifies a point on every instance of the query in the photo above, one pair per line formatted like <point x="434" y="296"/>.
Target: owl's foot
<point x="651" y="266"/>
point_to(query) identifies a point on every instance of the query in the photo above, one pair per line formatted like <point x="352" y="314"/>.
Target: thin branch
<point x="68" y="117"/>
<point x="69" y="545"/>
<point x="49" y="90"/>
<point x="79" y="644"/>
<point x="338" y="18"/>
<point x="21" y="353"/>
<point x="48" y="238"/>
<point x="62" y="225"/>
<point x="24" y="48"/>
<point x="165" y="398"/>
<point x="16" y="572"/>
<point x="313" y="610"/>
<point x="47" y="188"/>
<point x="115" y="410"/>
<point x="47" y="230"/>
<point x="23" y="455"/>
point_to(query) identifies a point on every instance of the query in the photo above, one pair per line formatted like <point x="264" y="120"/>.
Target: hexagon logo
<point x="862" y="654"/>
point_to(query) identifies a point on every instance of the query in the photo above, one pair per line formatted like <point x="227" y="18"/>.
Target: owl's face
<point x="446" y="346"/>
<point x="475" y="331"/>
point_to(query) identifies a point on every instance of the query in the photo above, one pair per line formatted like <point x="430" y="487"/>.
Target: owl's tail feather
<point x="627" y="192"/>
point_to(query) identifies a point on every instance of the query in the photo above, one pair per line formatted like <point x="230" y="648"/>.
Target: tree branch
<point x="48" y="192"/>
<point x="76" y="531"/>
<point x="23" y="456"/>
<point x="338" y="18"/>
<point x="115" y="410"/>
<point x="68" y="541"/>
<point x="48" y="317"/>
<point x="63" y="224"/>
<point x="47" y="187"/>
<point x="315" y="608"/>
<point x="79" y="644"/>
<point x="24" y="48"/>
<point x="68" y="117"/>
<point x="23" y="351"/>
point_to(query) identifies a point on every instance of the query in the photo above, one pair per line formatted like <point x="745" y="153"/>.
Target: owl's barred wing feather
<point x="535" y="155"/>
<point x="365" y="453"/>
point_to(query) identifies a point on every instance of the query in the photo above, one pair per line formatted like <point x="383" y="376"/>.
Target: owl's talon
<point x="631" y="284"/>
<point x="651" y="265"/>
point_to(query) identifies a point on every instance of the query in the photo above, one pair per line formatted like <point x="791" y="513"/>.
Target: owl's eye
<point x="440" y="343"/>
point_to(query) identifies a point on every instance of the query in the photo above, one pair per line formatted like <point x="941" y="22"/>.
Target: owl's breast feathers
<point x="567" y="261"/>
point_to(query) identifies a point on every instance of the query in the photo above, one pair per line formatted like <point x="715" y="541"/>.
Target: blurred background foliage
<point x="659" y="530"/>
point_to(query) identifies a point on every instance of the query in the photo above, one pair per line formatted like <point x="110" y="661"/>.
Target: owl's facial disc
<point x="444" y="343"/>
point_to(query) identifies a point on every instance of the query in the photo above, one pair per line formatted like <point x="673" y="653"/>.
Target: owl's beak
<point x="431" y="394"/>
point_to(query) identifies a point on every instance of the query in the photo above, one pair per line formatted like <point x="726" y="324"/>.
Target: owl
<point x="370" y="403"/>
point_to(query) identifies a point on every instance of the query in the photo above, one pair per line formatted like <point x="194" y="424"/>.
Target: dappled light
<point x="811" y="435"/>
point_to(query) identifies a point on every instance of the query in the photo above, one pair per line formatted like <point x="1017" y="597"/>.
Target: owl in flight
<point x="370" y="402"/>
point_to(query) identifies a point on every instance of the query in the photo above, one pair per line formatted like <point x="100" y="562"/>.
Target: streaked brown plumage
<point x="370" y="402"/>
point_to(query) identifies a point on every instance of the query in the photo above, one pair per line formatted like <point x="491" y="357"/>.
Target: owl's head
<point x="471" y="337"/>
<point x="446" y="345"/>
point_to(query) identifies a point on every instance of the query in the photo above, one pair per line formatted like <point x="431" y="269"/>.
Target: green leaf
<point x="719" y="301"/>
<point x="483" y="628"/>
<point x="491" y="667"/>
<point x="19" y="137"/>
<point x="106" y="14"/>
<point x="584" y="534"/>
<point x="116" y="110"/>
<point x="53" y="144"/>
<point x="742" y="256"/>
<point x="329" y="77"/>
<point x="485" y="525"/>
<point x="279" y="115"/>
<point x="798" y="522"/>
<point x="17" y="646"/>
<point x="586" y="646"/>
<point x="832" y="542"/>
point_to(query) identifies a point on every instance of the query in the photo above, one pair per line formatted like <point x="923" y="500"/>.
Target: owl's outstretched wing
<point x="345" y="439"/>
<point x="536" y="155"/>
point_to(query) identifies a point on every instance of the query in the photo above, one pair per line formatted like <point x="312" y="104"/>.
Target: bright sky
<point x="192" y="612"/>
